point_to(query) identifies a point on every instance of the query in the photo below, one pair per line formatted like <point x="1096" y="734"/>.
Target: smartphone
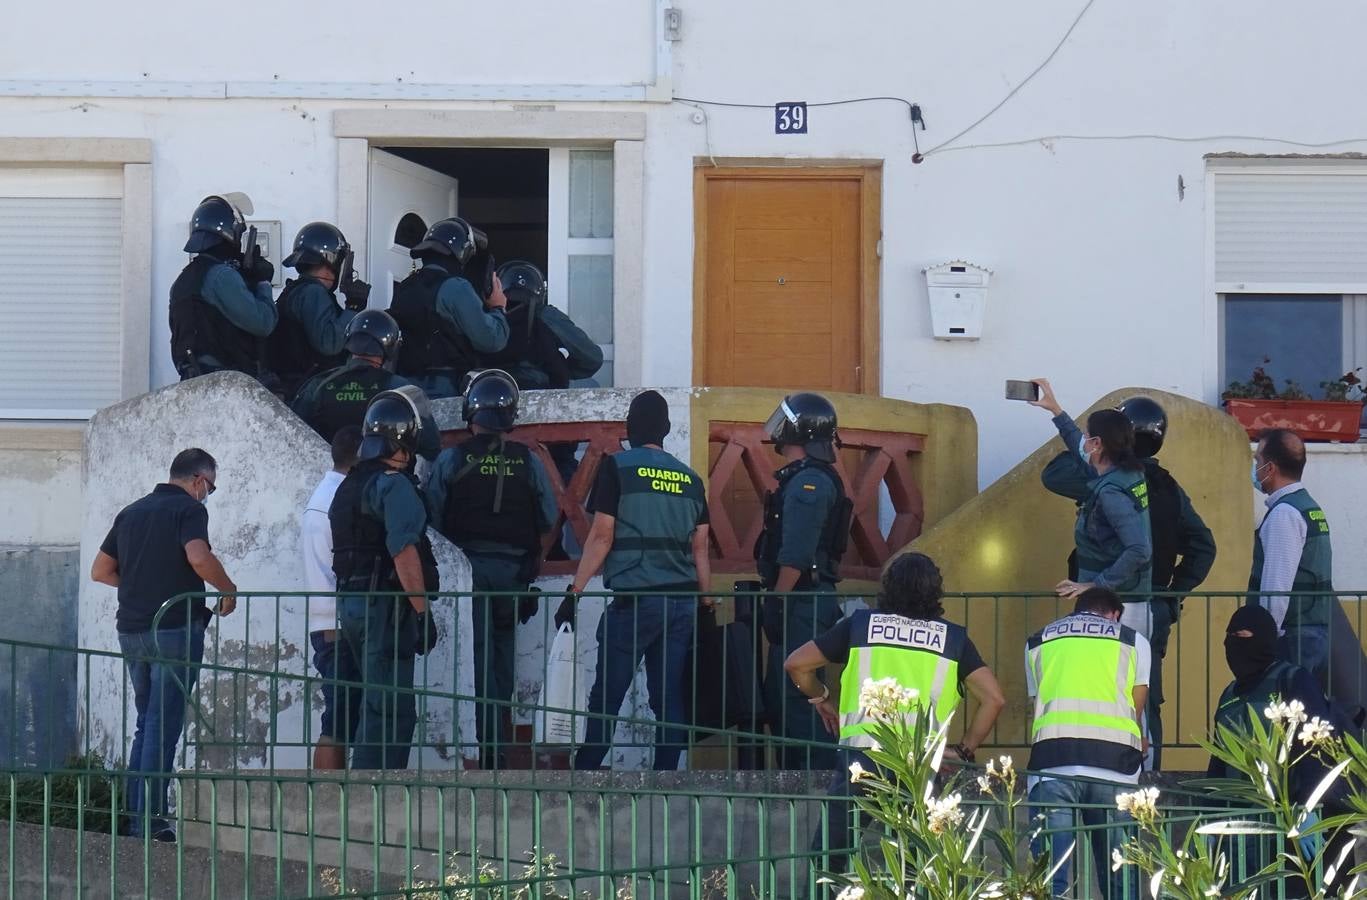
<point x="1022" y="390"/>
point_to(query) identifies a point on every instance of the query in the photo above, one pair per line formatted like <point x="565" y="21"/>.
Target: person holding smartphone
<point x="1114" y="544"/>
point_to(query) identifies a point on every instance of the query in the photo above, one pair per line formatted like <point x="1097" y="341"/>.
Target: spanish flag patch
<point x="809" y="487"/>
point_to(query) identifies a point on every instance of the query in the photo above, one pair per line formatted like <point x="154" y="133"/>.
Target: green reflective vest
<point x="916" y="653"/>
<point x="1315" y="572"/>
<point x="658" y="508"/>
<point x="1084" y="668"/>
<point x="1098" y="546"/>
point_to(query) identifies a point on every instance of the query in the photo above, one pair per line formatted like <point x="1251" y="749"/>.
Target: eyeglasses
<point x="212" y="486"/>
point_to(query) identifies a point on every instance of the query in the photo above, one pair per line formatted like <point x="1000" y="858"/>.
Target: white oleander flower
<point x="857" y="773"/>
<point x="886" y="699"/>
<point x="1117" y="860"/>
<point x="1316" y="732"/>
<point x="945" y="814"/>
<point x="1007" y="764"/>
<point x="852" y="892"/>
<point x="1141" y="803"/>
<point x="985" y="783"/>
<point x="1288" y="714"/>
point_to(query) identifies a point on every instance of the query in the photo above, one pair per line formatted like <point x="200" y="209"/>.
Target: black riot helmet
<point x="374" y="333"/>
<point x="453" y="237"/>
<point x="215" y="221"/>
<point x="391" y="424"/>
<point x="805" y="420"/>
<point x="319" y="244"/>
<point x="1150" y="425"/>
<point x="491" y="399"/>
<point x="524" y="286"/>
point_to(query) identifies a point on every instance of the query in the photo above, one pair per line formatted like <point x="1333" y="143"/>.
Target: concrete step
<point x="686" y="826"/>
<point x="114" y="868"/>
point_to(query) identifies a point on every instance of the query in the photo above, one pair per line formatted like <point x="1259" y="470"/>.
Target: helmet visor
<point x="780" y="424"/>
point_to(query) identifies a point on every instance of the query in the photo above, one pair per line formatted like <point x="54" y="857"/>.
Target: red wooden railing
<point x="738" y="478"/>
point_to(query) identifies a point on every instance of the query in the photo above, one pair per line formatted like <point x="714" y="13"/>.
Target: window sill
<point x="16" y="435"/>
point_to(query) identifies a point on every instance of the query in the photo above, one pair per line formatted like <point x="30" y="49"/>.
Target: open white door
<point x="405" y="198"/>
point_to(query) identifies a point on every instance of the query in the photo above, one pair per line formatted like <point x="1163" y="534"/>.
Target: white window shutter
<point x="60" y="305"/>
<point x="1297" y="232"/>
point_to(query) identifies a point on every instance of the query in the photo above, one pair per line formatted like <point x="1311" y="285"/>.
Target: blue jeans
<point x="382" y="635"/>
<point x="1056" y="801"/>
<point x="1161" y="630"/>
<point x="163" y="667"/>
<point x="657" y="628"/>
<point x="1308" y="647"/>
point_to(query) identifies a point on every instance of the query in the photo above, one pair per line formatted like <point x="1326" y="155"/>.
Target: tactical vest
<point x="430" y="340"/>
<point x="292" y="355"/>
<point x="1232" y="710"/>
<point x="835" y="533"/>
<point x="492" y="497"/>
<point x="199" y="329"/>
<point x="658" y="508"/>
<point x="1084" y="669"/>
<point x="1095" y="556"/>
<point x="343" y="395"/>
<point x="360" y="558"/>
<point x="536" y="347"/>
<point x="1315" y="572"/>
<point x="919" y="654"/>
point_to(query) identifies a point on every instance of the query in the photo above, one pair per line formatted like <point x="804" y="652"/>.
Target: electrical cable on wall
<point x="913" y="111"/>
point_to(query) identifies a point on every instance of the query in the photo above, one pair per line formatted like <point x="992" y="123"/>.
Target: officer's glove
<point x="427" y="632"/>
<point x="528" y="604"/>
<point x="357" y="294"/>
<point x="262" y="270"/>
<point x="565" y="615"/>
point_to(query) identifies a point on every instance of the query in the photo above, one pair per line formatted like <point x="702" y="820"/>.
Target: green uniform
<point x="1314" y="574"/>
<point x="803" y="530"/>
<point x="377" y="513"/>
<point x="460" y="491"/>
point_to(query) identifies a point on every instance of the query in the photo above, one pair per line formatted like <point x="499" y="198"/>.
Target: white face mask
<point x="1082" y="450"/>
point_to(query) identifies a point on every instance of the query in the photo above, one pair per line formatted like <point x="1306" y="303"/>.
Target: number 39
<point x="791" y="118"/>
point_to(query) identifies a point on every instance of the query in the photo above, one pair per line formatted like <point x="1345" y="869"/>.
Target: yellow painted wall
<point x="946" y="471"/>
<point x="1015" y="537"/>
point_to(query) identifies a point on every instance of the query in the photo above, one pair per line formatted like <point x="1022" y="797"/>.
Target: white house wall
<point x="1100" y="265"/>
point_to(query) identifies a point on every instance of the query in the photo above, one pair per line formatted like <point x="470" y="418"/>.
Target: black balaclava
<point x="647" y="419"/>
<point x="1249" y="657"/>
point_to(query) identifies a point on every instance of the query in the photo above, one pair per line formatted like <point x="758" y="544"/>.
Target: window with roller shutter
<point x="61" y="293"/>
<point x="1289" y="256"/>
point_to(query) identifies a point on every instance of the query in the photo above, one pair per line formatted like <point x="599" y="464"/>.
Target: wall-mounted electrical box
<point x="958" y="300"/>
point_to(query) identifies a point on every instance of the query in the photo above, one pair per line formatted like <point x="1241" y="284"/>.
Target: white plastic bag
<point x="563" y="689"/>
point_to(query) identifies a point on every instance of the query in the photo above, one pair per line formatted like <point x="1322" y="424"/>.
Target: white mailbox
<point x="958" y="300"/>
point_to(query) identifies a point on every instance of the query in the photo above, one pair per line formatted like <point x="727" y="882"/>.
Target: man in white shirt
<point x="1292" y="575"/>
<point x="331" y="657"/>
<point x="1089" y="677"/>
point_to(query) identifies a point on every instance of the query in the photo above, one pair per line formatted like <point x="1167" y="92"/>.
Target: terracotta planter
<point x="1313" y="420"/>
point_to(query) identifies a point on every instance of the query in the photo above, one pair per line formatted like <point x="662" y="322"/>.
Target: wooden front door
<point x="786" y="278"/>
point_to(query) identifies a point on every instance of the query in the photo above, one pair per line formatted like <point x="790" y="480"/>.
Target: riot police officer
<point x="339" y="397"/>
<point x="491" y="497"/>
<point x="546" y="349"/>
<point x="310" y="335"/>
<point x="806" y="527"/>
<point x="221" y="303"/>
<point x="1183" y="547"/>
<point x="379" y="543"/>
<point x="446" y="323"/>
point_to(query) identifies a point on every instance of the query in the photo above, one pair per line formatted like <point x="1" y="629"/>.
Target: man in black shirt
<point x="157" y="549"/>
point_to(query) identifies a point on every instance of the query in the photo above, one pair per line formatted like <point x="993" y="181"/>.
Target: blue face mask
<point x="1253" y="474"/>
<point x="1082" y="450"/>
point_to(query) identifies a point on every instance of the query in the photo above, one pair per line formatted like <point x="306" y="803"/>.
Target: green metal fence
<point x="255" y="818"/>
